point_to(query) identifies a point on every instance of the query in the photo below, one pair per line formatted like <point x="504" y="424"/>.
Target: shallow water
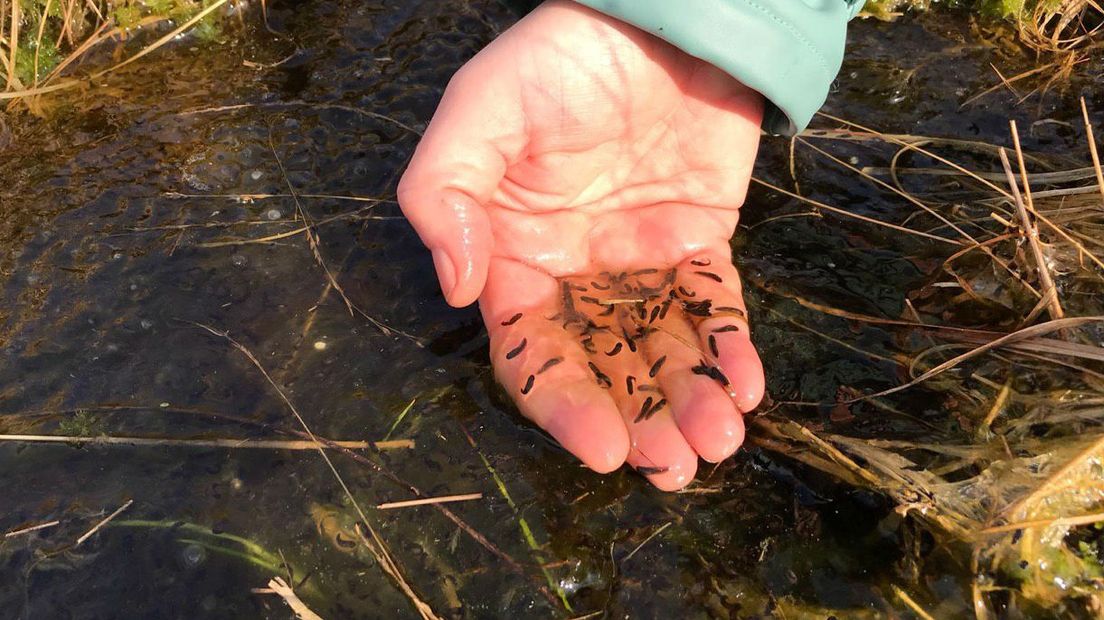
<point x="111" y="208"/>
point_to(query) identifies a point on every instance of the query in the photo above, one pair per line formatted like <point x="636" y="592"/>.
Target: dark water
<point x="104" y="271"/>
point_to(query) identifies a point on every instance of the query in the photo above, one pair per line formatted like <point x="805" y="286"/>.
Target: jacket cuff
<point x="788" y="50"/>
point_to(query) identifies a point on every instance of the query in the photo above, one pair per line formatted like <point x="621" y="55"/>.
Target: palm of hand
<point x="566" y="162"/>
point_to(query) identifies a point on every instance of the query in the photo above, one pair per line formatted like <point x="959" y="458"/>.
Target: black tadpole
<point x="603" y="378"/>
<point x="645" y="407"/>
<point x="549" y="364"/>
<point x="710" y="275"/>
<point x="710" y="371"/>
<point x="528" y="384"/>
<point x="664" y="308"/>
<point x="656" y="366"/>
<point x="518" y="349"/>
<point x="629" y="340"/>
<point x="701" y="308"/>
<point x="738" y="312"/>
<point x="512" y="320"/>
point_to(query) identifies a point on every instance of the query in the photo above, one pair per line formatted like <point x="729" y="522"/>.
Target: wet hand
<point x="581" y="179"/>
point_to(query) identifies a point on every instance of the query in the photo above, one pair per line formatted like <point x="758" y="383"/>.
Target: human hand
<point x="578" y="152"/>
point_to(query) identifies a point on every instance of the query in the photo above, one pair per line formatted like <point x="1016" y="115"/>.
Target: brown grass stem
<point x="1049" y="290"/>
<point x="284" y="591"/>
<point x="425" y="501"/>
<point x="1092" y="151"/>
<point x="856" y="216"/>
<point x="105" y="521"/>
<point x="31" y="528"/>
<point x="261" y="444"/>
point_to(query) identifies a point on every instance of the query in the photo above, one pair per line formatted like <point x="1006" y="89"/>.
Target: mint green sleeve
<point x="788" y="50"/>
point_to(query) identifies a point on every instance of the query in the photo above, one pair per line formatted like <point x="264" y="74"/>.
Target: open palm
<point x="581" y="179"/>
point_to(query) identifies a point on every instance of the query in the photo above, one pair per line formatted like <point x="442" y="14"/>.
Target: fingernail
<point x="446" y="272"/>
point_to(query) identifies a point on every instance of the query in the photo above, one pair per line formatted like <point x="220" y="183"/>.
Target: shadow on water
<point x="124" y="220"/>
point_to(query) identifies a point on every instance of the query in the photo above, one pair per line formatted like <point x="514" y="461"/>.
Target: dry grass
<point x="1017" y="484"/>
<point x="42" y="42"/>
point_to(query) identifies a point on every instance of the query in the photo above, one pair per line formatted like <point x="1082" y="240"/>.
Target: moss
<point x="1015" y="9"/>
<point x="82" y="424"/>
<point x="47" y="17"/>
<point x="208" y="30"/>
<point x="48" y="58"/>
<point x="127" y="15"/>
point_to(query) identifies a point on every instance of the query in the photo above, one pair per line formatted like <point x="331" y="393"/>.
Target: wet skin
<point x="577" y="149"/>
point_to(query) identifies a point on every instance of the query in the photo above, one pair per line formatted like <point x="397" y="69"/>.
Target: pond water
<point x="124" y="227"/>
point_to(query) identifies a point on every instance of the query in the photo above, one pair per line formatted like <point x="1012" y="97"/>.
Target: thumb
<point x="457" y="231"/>
<point x="477" y="128"/>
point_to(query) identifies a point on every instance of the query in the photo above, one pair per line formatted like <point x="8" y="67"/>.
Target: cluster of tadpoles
<point x="627" y="307"/>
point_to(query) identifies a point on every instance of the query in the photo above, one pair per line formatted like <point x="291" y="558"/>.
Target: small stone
<point x="256" y="175"/>
<point x="164" y="405"/>
<point x="145" y="323"/>
<point x="273" y="214"/>
<point x="320" y="345"/>
<point x="193" y="555"/>
<point x="238" y="260"/>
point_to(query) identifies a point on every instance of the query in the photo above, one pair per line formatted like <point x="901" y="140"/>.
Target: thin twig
<point x="265" y="444"/>
<point x="844" y="213"/>
<point x="1088" y="519"/>
<point x="32" y="528"/>
<point x="308" y="104"/>
<point x="106" y="520"/>
<point x="995" y="409"/>
<point x="1092" y="151"/>
<point x="1050" y="292"/>
<point x="911" y="604"/>
<point x="281" y="588"/>
<point x="253" y="197"/>
<point x="658" y="531"/>
<point x="430" y="500"/>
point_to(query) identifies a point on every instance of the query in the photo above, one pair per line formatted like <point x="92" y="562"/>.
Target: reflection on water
<point x="135" y="213"/>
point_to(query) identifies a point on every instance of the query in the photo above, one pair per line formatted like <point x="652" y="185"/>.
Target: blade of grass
<point x="523" y="525"/>
<point x="399" y="419"/>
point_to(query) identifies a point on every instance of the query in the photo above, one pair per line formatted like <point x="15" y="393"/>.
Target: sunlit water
<point x="122" y="229"/>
